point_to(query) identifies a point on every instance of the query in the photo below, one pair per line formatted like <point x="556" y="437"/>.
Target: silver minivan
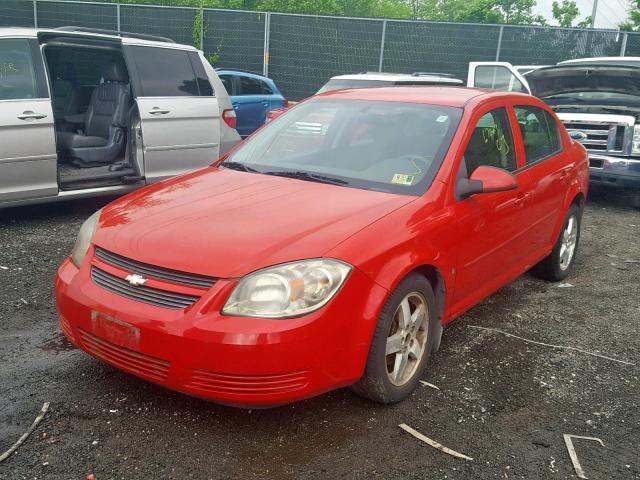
<point x="87" y="112"/>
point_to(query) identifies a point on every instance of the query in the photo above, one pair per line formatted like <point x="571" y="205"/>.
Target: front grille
<point x="601" y="137"/>
<point x="128" y="360"/>
<point x="152" y="296"/>
<point x="151" y="271"/>
<point x="224" y="383"/>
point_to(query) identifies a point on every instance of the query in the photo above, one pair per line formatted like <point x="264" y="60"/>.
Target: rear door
<point x="251" y="101"/>
<point x="498" y="76"/>
<point x="28" y="160"/>
<point x="179" y="113"/>
<point x="549" y="169"/>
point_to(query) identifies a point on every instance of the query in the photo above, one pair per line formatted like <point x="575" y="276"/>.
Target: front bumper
<point x="232" y="360"/>
<point x="617" y="172"/>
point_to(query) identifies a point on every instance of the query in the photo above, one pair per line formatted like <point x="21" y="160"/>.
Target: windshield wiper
<point x="238" y="166"/>
<point x="311" y="177"/>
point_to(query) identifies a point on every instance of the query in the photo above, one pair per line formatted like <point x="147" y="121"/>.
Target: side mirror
<point x="485" y="179"/>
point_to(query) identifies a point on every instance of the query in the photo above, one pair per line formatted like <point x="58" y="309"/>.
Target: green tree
<point x="565" y="14"/>
<point x="633" y="23"/>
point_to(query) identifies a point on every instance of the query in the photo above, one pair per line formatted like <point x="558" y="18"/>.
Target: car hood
<point x="559" y="79"/>
<point x="226" y="223"/>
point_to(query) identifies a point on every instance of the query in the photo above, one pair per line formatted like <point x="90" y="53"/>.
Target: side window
<point x="17" y="77"/>
<point x="227" y="81"/>
<point x="253" y="86"/>
<point x="497" y="77"/>
<point x="540" y="133"/>
<point x="164" y="72"/>
<point x="491" y="143"/>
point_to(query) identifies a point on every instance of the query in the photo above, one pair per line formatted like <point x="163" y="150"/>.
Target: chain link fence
<point x="300" y="52"/>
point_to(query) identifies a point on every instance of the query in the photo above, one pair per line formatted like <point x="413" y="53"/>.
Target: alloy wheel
<point x="407" y="338"/>
<point x="569" y="241"/>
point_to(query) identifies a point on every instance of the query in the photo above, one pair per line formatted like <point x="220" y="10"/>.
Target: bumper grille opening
<point x="128" y="360"/>
<point x="159" y="273"/>
<point x="248" y="384"/>
<point x="152" y="296"/>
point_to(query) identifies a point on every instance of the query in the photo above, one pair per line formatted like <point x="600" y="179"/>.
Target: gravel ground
<point x="502" y="401"/>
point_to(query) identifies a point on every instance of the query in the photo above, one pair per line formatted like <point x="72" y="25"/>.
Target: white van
<point x="86" y="112"/>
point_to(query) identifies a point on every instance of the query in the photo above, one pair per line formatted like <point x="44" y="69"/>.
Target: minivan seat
<point x="66" y="91"/>
<point x="103" y="137"/>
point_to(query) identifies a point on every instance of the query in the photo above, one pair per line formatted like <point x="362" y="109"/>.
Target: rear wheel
<point x="401" y="344"/>
<point x="557" y="265"/>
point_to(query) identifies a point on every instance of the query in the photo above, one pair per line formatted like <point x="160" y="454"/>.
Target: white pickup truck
<point x="597" y="99"/>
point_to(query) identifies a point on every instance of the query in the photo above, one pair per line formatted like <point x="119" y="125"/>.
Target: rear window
<point x="17" y="78"/>
<point x="253" y="86"/>
<point x="384" y="146"/>
<point x="164" y="72"/>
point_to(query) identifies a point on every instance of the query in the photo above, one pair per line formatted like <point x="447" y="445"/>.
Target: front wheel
<point x="557" y="265"/>
<point x="401" y="343"/>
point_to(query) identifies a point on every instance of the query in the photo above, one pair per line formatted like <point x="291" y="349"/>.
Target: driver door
<point x="491" y="226"/>
<point x="28" y="159"/>
<point x="497" y="76"/>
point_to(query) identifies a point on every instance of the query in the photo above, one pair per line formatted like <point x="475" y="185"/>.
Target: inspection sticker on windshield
<point x="442" y="118"/>
<point x="402" y="179"/>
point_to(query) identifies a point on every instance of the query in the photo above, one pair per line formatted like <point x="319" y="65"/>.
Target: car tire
<point x="556" y="266"/>
<point x="377" y="382"/>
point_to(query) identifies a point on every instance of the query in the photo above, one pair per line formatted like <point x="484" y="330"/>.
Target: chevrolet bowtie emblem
<point x="136" y="280"/>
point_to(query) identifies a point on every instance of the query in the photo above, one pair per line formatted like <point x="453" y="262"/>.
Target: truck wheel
<point x="557" y="265"/>
<point x="401" y="343"/>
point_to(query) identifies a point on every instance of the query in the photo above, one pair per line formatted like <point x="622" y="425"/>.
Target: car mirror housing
<point x="485" y="179"/>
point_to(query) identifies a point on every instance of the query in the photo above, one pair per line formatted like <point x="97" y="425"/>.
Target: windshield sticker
<point x="402" y="179"/>
<point x="442" y="118"/>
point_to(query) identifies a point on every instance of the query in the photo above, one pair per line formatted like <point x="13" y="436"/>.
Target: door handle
<point x="31" y="115"/>
<point x="158" y="111"/>
<point x="521" y="197"/>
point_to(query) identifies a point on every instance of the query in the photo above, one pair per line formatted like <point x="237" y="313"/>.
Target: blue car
<point x="252" y="96"/>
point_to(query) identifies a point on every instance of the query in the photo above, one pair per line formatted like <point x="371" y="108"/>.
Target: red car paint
<point x="226" y="224"/>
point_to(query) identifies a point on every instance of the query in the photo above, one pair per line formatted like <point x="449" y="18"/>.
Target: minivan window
<point x="17" y="78"/>
<point x="539" y="133"/>
<point x="164" y="72"/>
<point x="374" y="145"/>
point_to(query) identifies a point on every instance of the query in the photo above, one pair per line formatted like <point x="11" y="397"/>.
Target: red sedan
<point x="330" y="248"/>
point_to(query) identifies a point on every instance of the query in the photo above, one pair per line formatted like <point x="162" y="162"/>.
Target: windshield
<point x="384" y="146"/>
<point x="342" y="84"/>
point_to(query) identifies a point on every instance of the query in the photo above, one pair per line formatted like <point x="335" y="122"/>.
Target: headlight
<point x="83" y="240"/>
<point x="287" y="290"/>
<point x="635" y="150"/>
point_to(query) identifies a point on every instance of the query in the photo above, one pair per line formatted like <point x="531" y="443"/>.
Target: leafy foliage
<point x="567" y="12"/>
<point x="481" y="11"/>
<point x="634" y="17"/>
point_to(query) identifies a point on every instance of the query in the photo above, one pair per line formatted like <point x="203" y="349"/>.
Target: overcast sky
<point x="610" y="12"/>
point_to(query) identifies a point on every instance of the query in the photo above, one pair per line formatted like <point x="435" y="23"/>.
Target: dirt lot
<point x="502" y="401"/>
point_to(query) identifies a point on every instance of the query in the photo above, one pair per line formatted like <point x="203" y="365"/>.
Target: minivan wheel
<point x="401" y="343"/>
<point x="557" y="265"/>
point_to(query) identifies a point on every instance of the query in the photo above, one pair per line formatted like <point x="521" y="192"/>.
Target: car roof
<point x="237" y="71"/>
<point x="433" y="95"/>
<point x="53" y="32"/>
<point x="397" y="77"/>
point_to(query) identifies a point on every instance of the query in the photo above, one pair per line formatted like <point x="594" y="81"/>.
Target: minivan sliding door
<point x="28" y="160"/>
<point x="179" y="113"/>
